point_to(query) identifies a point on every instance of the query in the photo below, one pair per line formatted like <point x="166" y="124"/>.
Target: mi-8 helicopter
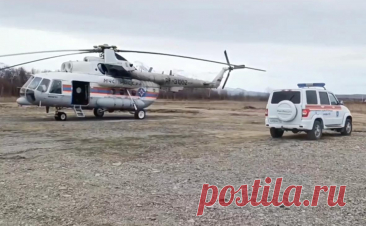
<point x="106" y="83"/>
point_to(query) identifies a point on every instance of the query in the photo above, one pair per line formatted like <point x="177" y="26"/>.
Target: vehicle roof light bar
<point x="303" y="85"/>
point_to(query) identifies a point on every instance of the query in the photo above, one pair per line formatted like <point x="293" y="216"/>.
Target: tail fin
<point x="217" y="80"/>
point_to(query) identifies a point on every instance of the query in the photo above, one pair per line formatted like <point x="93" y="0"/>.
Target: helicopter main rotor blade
<point x="255" y="69"/>
<point x="192" y="58"/>
<point x="69" y="54"/>
<point x="49" y="51"/>
<point x="173" y="55"/>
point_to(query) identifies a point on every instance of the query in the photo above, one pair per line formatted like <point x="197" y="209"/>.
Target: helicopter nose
<point x="23" y="101"/>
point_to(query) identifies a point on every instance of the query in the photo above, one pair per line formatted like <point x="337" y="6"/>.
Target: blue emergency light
<point x="302" y="85"/>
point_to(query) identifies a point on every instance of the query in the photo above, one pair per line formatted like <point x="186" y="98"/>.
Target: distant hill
<point x="239" y="91"/>
<point x="351" y="96"/>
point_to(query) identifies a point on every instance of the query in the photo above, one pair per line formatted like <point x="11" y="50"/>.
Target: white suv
<point x="308" y="109"/>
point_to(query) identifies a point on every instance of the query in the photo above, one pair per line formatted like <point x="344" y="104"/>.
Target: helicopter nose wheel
<point x="60" y="116"/>
<point x="140" y="114"/>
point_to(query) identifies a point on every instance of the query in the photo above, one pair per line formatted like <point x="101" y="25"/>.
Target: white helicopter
<point x="106" y="83"/>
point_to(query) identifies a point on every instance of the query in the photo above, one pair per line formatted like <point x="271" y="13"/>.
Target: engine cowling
<point x="87" y="67"/>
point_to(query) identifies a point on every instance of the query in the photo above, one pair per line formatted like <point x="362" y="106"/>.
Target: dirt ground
<point x="122" y="171"/>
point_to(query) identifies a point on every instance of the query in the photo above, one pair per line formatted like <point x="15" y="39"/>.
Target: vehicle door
<point x="338" y="113"/>
<point x="328" y="113"/>
<point x="41" y="95"/>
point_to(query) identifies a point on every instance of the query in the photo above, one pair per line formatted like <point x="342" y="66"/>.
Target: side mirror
<point x="341" y="102"/>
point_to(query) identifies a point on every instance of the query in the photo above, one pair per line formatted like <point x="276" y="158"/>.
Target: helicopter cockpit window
<point x="56" y="87"/>
<point x="119" y="57"/>
<point x="34" y="83"/>
<point x="28" y="81"/>
<point x="43" y="87"/>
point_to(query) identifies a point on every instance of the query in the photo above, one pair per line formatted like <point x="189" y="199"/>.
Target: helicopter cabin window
<point x="43" y="87"/>
<point x="34" y="83"/>
<point x="56" y="87"/>
<point x="122" y="92"/>
<point x="113" y="91"/>
<point x="133" y="92"/>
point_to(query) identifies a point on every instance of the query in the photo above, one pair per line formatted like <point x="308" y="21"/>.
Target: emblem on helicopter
<point x="141" y="92"/>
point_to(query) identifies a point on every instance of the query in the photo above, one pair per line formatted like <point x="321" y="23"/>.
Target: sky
<point x="294" y="41"/>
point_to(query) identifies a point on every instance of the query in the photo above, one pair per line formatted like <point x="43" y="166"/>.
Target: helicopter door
<point x="80" y="93"/>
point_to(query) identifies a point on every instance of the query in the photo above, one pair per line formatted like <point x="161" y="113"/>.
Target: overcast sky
<point x="295" y="41"/>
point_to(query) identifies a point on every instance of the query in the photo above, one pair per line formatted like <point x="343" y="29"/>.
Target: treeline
<point x="208" y="94"/>
<point x="12" y="79"/>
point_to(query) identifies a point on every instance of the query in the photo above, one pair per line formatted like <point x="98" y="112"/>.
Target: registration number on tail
<point x="274" y="120"/>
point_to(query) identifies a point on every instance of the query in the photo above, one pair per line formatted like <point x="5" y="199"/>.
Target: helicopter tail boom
<point x="218" y="79"/>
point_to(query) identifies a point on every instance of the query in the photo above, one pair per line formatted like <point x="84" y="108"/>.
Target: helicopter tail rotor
<point x="233" y="67"/>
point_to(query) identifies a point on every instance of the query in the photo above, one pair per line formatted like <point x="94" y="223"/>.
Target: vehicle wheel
<point x="62" y="116"/>
<point x="140" y="114"/>
<point x="347" y="129"/>
<point x="317" y="131"/>
<point x="98" y="112"/>
<point x="276" y="133"/>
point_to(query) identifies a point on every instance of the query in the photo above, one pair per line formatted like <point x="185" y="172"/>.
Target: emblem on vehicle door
<point x="337" y="113"/>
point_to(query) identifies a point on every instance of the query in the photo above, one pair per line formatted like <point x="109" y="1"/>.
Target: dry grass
<point x="7" y="99"/>
<point x="358" y="107"/>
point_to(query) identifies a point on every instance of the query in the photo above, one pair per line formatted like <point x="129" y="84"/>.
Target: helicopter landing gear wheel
<point x="98" y="112"/>
<point x="60" y="116"/>
<point x="140" y="114"/>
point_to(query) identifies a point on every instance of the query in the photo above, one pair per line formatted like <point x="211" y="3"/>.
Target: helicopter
<point x="106" y="83"/>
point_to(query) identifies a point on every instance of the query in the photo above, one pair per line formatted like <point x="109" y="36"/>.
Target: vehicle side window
<point x="333" y="100"/>
<point x="44" y="85"/>
<point x="56" y="87"/>
<point x="324" y="99"/>
<point x="311" y="97"/>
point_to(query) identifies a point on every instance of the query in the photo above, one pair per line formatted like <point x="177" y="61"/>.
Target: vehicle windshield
<point x="28" y="81"/>
<point x="35" y="83"/>
<point x="293" y="96"/>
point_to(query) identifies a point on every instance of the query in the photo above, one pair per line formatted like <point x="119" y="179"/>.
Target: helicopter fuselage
<point x="63" y="90"/>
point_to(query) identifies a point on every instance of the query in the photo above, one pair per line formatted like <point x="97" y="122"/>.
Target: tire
<point x="140" y="114"/>
<point x="347" y="129"/>
<point x="317" y="131"/>
<point x="62" y="116"/>
<point x="286" y="111"/>
<point x="98" y="112"/>
<point x="276" y="133"/>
